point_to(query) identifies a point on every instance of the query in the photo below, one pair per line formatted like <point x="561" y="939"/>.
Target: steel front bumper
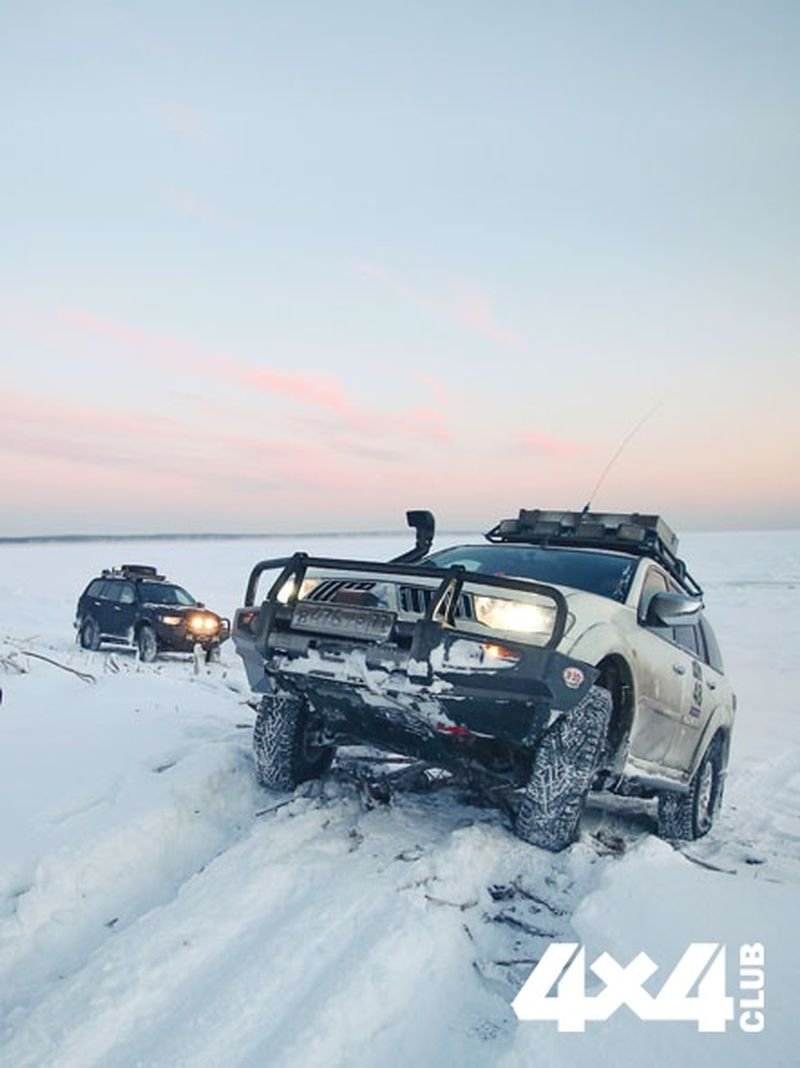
<point x="443" y="685"/>
<point x="181" y="639"/>
<point x="417" y="672"/>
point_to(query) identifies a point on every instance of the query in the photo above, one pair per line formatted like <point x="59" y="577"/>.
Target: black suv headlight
<point x="202" y="623"/>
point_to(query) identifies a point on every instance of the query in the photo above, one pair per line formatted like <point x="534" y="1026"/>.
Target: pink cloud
<point x="188" y="202"/>
<point x="547" y="445"/>
<point x="322" y="391"/>
<point x="476" y="311"/>
<point x="83" y="440"/>
<point x="441" y="391"/>
<point x="154" y="346"/>
<point x="346" y="419"/>
<point x="185" y="122"/>
<point x="473" y="309"/>
<point x="427" y="423"/>
<point x="372" y="270"/>
<point x="58" y="414"/>
<point x="318" y="390"/>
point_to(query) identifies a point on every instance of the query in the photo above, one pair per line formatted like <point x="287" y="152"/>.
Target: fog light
<point x="200" y="624"/>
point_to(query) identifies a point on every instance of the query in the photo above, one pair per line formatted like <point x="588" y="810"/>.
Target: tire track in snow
<point x="316" y="940"/>
<point x="758" y="829"/>
<point x="80" y="897"/>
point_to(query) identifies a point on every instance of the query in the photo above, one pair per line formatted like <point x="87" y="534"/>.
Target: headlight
<point x="523" y="617"/>
<point x="287" y="589"/>
<point x="201" y="624"/>
<point x="171" y="621"/>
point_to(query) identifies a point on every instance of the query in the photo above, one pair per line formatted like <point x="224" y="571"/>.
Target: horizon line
<point x="22" y="539"/>
<point x="42" y="539"/>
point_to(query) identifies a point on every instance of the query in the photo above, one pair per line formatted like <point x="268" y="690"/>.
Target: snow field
<point x="158" y="908"/>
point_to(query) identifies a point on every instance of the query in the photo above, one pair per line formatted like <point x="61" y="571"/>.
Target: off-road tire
<point x="563" y="769"/>
<point x="146" y="644"/>
<point x="283" y="756"/>
<point x="89" y="634"/>
<point x="688" y="816"/>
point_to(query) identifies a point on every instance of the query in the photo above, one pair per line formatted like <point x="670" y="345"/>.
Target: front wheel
<point x="146" y="644"/>
<point x="688" y="816"/>
<point x="89" y="634"/>
<point x="563" y="769"/>
<point x="286" y="743"/>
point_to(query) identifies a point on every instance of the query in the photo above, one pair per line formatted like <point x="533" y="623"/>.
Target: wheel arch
<point x="616" y="676"/>
<point x="716" y="728"/>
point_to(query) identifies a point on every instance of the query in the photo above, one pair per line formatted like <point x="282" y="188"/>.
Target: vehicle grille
<point x="327" y="591"/>
<point x="416" y="600"/>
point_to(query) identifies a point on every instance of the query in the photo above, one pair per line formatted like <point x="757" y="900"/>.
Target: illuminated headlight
<point x="522" y="617"/>
<point x="201" y="624"/>
<point x="171" y="621"/>
<point x="286" y="591"/>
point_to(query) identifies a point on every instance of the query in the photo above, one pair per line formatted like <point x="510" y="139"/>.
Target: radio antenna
<point x="630" y="435"/>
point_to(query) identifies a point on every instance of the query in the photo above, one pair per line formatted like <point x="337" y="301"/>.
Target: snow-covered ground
<point x="158" y="908"/>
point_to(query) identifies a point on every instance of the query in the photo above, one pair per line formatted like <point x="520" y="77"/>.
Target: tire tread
<point x="563" y="769"/>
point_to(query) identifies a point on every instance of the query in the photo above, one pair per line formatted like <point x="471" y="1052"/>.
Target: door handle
<point x="711" y="685"/>
<point x="679" y="669"/>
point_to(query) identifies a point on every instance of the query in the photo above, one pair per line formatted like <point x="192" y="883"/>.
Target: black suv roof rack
<point x="133" y="571"/>
<point x="630" y="532"/>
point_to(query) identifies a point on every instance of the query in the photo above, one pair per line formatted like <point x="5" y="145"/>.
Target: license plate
<point x="369" y="624"/>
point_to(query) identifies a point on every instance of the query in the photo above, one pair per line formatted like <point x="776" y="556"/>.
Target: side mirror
<point x="672" y="609"/>
<point x="200" y="604"/>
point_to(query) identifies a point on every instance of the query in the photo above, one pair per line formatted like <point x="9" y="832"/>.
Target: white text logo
<point x="695" y="991"/>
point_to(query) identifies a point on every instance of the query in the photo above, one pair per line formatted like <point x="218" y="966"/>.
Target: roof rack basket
<point x="133" y="571"/>
<point x="640" y="535"/>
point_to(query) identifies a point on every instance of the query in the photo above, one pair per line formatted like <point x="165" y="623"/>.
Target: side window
<point x="127" y="593"/>
<point x="714" y="655"/>
<point x="106" y="591"/>
<point x="113" y="591"/>
<point x="688" y="638"/>
<point x="94" y="588"/>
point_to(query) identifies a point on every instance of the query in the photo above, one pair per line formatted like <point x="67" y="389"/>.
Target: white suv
<point x="567" y="653"/>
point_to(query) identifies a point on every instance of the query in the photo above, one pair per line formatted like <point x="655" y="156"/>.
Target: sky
<point x="295" y="266"/>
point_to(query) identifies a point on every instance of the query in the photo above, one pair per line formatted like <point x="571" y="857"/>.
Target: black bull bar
<point x="407" y="683"/>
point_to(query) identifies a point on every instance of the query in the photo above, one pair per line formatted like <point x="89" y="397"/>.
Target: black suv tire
<point x="146" y="643"/>
<point x="89" y="634"/>
<point x="563" y="769"/>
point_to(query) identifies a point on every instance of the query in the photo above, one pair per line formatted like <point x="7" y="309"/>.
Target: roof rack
<point x="631" y="532"/>
<point x="133" y="571"/>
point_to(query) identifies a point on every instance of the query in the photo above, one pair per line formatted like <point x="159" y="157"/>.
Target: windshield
<point x="164" y="593"/>
<point x="606" y="574"/>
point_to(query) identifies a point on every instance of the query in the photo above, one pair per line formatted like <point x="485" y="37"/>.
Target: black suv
<point x="135" y="606"/>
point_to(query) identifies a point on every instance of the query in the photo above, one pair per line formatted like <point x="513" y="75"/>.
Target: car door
<point x="700" y="698"/>
<point x="119" y="611"/>
<point x="91" y="605"/>
<point x="126" y="610"/>
<point x="663" y="677"/>
<point x="103" y="607"/>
